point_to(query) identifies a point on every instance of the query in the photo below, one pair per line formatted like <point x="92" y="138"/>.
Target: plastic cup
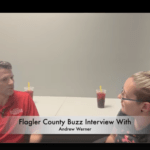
<point x="101" y="98"/>
<point x="29" y="91"/>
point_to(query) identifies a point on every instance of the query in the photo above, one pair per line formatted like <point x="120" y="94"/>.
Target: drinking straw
<point x="100" y="87"/>
<point x="29" y="86"/>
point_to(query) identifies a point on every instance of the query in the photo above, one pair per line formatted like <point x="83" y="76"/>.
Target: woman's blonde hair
<point x="142" y="81"/>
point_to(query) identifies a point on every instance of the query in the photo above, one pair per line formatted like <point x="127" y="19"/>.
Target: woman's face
<point x="130" y="108"/>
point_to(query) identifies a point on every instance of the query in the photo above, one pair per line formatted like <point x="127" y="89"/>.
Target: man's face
<point x="131" y="108"/>
<point x="6" y="82"/>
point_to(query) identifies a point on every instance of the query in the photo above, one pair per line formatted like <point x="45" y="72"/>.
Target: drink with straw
<point x="101" y="97"/>
<point x="29" y="90"/>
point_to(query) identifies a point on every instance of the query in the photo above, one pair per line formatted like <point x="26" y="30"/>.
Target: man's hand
<point x="35" y="138"/>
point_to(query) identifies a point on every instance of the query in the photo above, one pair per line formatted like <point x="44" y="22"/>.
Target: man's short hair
<point x="142" y="82"/>
<point x="5" y="65"/>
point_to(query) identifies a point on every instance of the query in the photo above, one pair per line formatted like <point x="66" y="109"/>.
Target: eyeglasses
<point x="131" y="99"/>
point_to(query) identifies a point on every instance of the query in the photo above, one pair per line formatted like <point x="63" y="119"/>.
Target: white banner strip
<point x="71" y="125"/>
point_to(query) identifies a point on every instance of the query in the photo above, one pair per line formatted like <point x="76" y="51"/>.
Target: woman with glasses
<point x="135" y="101"/>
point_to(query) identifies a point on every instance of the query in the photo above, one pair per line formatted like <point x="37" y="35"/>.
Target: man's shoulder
<point x="20" y="93"/>
<point x="19" y="96"/>
<point x="19" y="103"/>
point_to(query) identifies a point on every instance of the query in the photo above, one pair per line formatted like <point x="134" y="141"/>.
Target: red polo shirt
<point x="18" y="104"/>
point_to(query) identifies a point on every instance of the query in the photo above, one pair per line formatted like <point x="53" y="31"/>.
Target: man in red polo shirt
<point x="14" y="103"/>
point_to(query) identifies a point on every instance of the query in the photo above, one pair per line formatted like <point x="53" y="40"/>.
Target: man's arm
<point x="35" y="138"/>
<point x="111" y="138"/>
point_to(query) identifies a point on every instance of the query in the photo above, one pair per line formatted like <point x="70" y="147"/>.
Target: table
<point x="74" y="106"/>
<point x="48" y="106"/>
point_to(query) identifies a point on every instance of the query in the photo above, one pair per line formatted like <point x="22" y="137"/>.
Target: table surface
<point x="75" y="106"/>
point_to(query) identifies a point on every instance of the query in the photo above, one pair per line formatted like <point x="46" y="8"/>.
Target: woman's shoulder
<point x="120" y="113"/>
